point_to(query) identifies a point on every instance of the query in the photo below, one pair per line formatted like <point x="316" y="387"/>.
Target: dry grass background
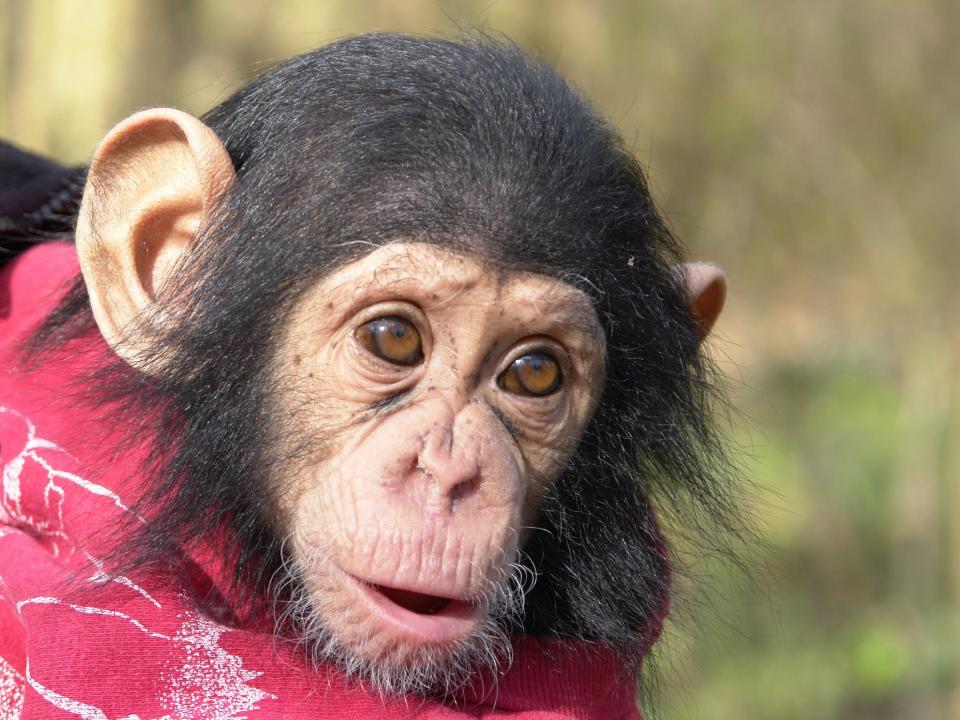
<point x="813" y="149"/>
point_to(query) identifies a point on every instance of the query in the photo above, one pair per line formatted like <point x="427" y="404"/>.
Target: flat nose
<point x="450" y="460"/>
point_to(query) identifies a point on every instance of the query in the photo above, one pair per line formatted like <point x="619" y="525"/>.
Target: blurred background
<point x="812" y="149"/>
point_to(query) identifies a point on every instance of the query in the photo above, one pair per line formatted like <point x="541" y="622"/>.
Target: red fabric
<point x="134" y="648"/>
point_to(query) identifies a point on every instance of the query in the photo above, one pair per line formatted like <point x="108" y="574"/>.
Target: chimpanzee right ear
<point x="152" y="182"/>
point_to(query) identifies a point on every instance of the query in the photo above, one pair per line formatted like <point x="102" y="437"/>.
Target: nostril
<point x="446" y="485"/>
<point x="460" y="490"/>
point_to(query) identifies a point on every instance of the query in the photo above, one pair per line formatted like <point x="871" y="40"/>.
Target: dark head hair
<point x="478" y="147"/>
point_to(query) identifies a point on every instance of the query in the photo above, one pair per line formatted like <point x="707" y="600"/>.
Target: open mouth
<point x="419" y="603"/>
<point x="421" y="616"/>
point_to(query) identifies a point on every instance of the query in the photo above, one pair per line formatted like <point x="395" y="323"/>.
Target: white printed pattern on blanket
<point x="11" y="691"/>
<point x="208" y="682"/>
<point x="11" y="510"/>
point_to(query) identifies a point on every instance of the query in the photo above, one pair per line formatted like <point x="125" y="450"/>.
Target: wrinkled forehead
<point x="439" y="277"/>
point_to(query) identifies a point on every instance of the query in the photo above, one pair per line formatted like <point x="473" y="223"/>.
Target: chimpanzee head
<point x="410" y="336"/>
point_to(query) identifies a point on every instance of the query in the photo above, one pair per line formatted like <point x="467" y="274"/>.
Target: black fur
<point x="38" y="199"/>
<point x="473" y="146"/>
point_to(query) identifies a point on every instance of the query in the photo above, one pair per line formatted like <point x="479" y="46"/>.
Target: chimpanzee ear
<point x="706" y="288"/>
<point x="151" y="183"/>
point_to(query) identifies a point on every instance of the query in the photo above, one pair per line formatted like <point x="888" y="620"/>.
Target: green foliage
<point x="834" y="629"/>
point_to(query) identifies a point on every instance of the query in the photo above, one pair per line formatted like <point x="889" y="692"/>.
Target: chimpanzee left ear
<point x="154" y="181"/>
<point x="706" y="288"/>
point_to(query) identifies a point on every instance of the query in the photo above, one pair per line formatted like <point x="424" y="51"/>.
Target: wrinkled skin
<point x="433" y="492"/>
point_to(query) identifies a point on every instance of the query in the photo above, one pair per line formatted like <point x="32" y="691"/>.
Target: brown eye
<point x="536" y="374"/>
<point x="393" y="339"/>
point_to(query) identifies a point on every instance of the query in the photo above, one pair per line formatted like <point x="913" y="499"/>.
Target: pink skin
<point x="452" y="623"/>
<point x="452" y="496"/>
<point x="433" y="496"/>
<point x="450" y="487"/>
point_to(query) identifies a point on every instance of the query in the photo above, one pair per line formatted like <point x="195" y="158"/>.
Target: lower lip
<point x="454" y="622"/>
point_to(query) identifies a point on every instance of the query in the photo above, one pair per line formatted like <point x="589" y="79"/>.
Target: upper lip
<point x="391" y="582"/>
<point x="413" y="588"/>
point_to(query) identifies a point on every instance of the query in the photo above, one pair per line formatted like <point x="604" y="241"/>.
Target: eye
<point x="392" y="339"/>
<point x="536" y="374"/>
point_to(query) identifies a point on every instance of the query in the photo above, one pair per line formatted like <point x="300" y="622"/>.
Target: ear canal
<point x="706" y="290"/>
<point x="153" y="182"/>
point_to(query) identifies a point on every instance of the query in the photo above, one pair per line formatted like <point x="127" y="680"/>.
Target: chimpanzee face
<point x="449" y="395"/>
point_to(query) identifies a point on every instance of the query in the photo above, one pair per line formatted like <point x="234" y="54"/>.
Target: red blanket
<point x="78" y="641"/>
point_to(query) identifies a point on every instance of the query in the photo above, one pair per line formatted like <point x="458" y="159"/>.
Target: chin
<point x="398" y="642"/>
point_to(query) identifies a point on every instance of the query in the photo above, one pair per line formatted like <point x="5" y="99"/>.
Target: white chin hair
<point x="392" y="668"/>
